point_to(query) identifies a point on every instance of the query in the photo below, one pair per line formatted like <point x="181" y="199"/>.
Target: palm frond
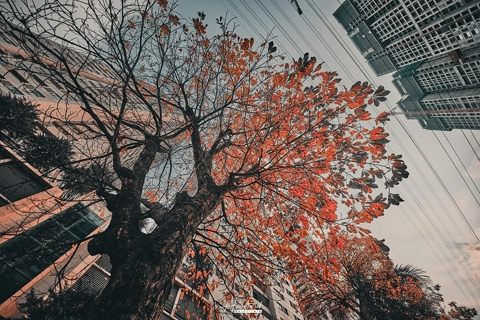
<point x="409" y="271"/>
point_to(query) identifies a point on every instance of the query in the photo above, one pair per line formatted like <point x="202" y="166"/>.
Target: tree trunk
<point x="139" y="287"/>
<point x="143" y="270"/>
<point x="364" y="307"/>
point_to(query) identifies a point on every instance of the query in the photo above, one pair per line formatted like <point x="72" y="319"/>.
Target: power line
<point x="343" y="67"/>
<point x="317" y="10"/>
<point x="390" y="108"/>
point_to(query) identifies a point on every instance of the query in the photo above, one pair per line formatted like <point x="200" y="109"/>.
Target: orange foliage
<point x="292" y="153"/>
<point x="227" y="128"/>
<point x="359" y="279"/>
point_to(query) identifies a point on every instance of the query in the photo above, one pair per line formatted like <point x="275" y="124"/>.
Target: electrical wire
<point x="365" y="74"/>
<point x="345" y="50"/>
<point x="317" y="10"/>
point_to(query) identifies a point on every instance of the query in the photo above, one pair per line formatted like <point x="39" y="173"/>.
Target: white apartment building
<point x="432" y="46"/>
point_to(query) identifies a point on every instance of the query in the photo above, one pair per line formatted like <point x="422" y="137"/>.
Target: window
<point x="104" y="263"/>
<point x="171" y="299"/>
<point x="190" y="308"/>
<point x="11" y="87"/>
<point x="17" y="182"/>
<point x="38" y="80"/>
<point x="38" y="93"/>
<point x="283" y="308"/>
<point x="18" y="76"/>
<point x="8" y="40"/>
<point x="52" y="93"/>
<point x="4" y="63"/>
<point x="281" y="295"/>
<point x="261" y="298"/>
<point x="56" y="84"/>
<point x="22" y="66"/>
<point x="28" y="254"/>
<point x="94" y="280"/>
<point x="15" y="91"/>
<point x="267" y="315"/>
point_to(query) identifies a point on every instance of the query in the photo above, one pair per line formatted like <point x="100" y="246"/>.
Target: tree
<point x="459" y="312"/>
<point x="18" y="117"/>
<point x="218" y="141"/>
<point x="45" y="151"/>
<point x="361" y="282"/>
<point x="68" y="304"/>
<point x="20" y="122"/>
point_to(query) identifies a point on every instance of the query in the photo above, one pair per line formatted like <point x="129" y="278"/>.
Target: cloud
<point x="474" y="169"/>
<point x="473" y="260"/>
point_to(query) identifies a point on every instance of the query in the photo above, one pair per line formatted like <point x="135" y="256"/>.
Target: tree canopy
<point x="18" y="118"/>
<point x="20" y="123"/>
<point x="221" y="142"/>
<point x="362" y="282"/>
<point x="68" y="304"/>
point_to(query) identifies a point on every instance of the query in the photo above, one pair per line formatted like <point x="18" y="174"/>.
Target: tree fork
<point x="143" y="274"/>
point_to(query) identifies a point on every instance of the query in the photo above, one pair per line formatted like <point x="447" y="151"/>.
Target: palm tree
<point x="411" y="272"/>
<point x="421" y="299"/>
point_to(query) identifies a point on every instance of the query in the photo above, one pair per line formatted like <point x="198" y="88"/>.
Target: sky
<point x="438" y="226"/>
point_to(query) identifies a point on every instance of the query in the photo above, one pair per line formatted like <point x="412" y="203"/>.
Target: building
<point x="433" y="48"/>
<point x="37" y="231"/>
<point x="272" y="302"/>
<point x="397" y="33"/>
<point x="33" y="216"/>
<point x="447" y="93"/>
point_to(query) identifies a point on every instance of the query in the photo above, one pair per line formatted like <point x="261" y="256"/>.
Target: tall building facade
<point x="33" y="218"/>
<point x="447" y="92"/>
<point x="422" y="41"/>
<point x="37" y="227"/>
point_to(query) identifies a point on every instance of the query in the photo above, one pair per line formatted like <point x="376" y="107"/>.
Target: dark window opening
<point x="18" y="76"/>
<point x="39" y="81"/>
<point x="38" y="94"/>
<point x="261" y="298"/>
<point x="17" y="182"/>
<point x="171" y="299"/>
<point x="190" y="307"/>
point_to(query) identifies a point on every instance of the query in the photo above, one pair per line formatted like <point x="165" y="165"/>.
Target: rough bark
<point x="364" y="310"/>
<point x="142" y="276"/>
<point x="144" y="266"/>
